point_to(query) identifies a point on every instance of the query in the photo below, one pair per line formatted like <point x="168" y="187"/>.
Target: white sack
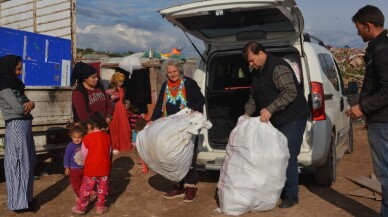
<point x="167" y="145"/>
<point x="254" y="170"/>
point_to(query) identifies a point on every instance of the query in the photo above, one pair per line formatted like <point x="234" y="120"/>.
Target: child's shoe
<point x="77" y="211"/>
<point x="101" y="209"/>
<point x="116" y="152"/>
<point x="144" y="167"/>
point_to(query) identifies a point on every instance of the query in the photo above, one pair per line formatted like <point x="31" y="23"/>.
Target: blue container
<point x="46" y="59"/>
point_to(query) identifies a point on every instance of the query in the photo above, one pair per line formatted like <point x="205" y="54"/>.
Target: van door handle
<point x="342" y="103"/>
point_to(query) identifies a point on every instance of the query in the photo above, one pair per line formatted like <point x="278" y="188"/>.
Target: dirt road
<point x="140" y="195"/>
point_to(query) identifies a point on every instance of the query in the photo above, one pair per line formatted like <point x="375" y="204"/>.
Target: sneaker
<point x="190" y="194"/>
<point x="116" y="152"/>
<point x="288" y="202"/>
<point x="176" y="192"/>
<point x="77" y="211"/>
<point x="101" y="209"/>
<point x="144" y="167"/>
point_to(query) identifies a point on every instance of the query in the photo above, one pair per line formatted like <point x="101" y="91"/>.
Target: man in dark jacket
<point x="373" y="103"/>
<point x="276" y="93"/>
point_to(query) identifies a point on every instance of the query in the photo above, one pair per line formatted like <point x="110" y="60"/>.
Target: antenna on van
<point x="195" y="47"/>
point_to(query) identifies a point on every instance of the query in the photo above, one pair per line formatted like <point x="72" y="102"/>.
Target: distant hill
<point x="350" y="60"/>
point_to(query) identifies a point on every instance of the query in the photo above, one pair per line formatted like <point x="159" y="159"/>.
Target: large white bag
<point x="254" y="170"/>
<point x="167" y="145"/>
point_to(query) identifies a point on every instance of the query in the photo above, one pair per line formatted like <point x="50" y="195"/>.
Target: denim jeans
<point x="294" y="132"/>
<point x="378" y="140"/>
<point x="192" y="176"/>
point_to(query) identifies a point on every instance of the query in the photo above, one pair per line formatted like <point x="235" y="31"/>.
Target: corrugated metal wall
<point x="49" y="17"/>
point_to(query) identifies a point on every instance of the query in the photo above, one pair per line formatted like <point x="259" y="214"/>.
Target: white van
<point x="225" y="26"/>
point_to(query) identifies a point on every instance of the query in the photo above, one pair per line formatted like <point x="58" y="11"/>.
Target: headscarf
<point x="82" y="71"/>
<point x="8" y="78"/>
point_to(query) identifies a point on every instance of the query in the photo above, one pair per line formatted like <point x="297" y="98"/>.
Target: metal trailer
<point x="45" y="24"/>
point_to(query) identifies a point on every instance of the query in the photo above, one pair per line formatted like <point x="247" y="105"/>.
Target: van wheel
<point x="349" y="150"/>
<point x="325" y="175"/>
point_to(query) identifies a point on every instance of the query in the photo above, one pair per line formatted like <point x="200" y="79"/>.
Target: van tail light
<point x="318" y="100"/>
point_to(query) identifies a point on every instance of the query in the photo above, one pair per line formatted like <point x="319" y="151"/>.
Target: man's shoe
<point x="176" y="192"/>
<point x="190" y="194"/>
<point x="288" y="202"/>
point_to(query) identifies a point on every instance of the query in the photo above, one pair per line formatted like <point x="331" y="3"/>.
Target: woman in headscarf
<point x="19" y="156"/>
<point x="89" y="97"/>
<point x="177" y="93"/>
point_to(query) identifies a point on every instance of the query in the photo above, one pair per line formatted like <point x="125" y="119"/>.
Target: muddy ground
<point x="140" y="195"/>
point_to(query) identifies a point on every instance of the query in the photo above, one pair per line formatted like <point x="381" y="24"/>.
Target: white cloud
<point x="121" y="38"/>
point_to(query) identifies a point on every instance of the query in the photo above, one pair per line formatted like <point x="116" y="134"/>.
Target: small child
<point x="112" y="92"/>
<point x="140" y="124"/>
<point x="73" y="161"/>
<point x="133" y="117"/>
<point x="96" y="151"/>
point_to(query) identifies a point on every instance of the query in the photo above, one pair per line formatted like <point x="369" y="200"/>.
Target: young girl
<point x="73" y="161"/>
<point x="119" y="127"/>
<point x="133" y="117"/>
<point x="139" y="125"/>
<point x="96" y="151"/>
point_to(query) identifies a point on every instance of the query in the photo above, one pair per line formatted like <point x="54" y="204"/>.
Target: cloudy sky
<point x="135" y="25"/>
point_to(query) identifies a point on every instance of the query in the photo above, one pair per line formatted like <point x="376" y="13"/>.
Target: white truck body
<point x="52" y="112"/>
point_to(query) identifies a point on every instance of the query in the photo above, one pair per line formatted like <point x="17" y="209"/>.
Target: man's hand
<point x="149" y="123"/>
<point x="67" y="171"/>
<point x="354" y="112"/>
<point x="28" y="106"/>
<point x="265" y="115"/>
<point x="245" y="116"/>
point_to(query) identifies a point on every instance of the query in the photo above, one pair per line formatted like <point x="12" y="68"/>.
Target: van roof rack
<point x="309" y="38"/>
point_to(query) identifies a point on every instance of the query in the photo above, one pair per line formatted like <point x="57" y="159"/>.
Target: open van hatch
<point x="234" y="21"/>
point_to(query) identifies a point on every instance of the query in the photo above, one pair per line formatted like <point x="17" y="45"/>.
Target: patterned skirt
<point x="19" y="163"/>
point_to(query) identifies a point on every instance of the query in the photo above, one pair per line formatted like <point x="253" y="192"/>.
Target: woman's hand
<point x="67" y="171"/>
<point x="108" y="120"/>
<point x="149" y="123"/>
<point x="28" y="106"/>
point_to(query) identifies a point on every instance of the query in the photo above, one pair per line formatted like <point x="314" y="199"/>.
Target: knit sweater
<point x="11" y="105"/>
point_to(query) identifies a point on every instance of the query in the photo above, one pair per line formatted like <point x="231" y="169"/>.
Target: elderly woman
<point x="89" y="97"/>
<point x="177" y="93"/>
<point x="19" y="157"/>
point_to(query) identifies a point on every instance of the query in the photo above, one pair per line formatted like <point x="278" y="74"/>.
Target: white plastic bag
<point x="254" y="170"/>
<point x="167" y="146"/>
<point x="130" y="63"/>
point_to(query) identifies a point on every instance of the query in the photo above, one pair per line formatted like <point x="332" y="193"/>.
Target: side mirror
<point x="352" y="87"/>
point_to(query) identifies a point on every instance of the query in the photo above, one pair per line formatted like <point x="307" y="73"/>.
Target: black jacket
<point x="374" y="92"/>
<point x="264" y="92"/>
<point x="194" y="97"/>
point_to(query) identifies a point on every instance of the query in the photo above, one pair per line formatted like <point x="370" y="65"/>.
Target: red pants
<point x="75" y="178"/>
<point x="87" y="188"/>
